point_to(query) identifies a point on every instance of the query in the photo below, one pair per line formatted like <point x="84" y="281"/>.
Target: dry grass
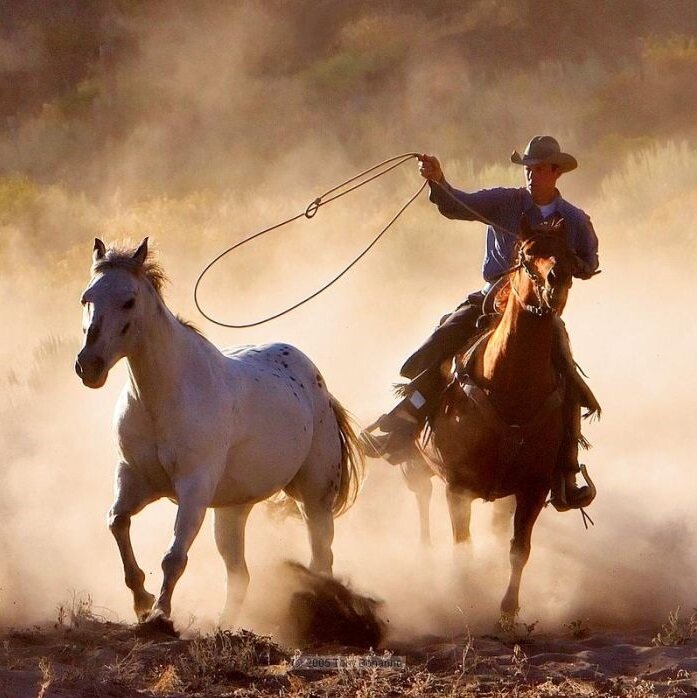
<point x="513" y="629"/>
<point x="579" y="629"/>
<point x="127" y="669"/>
<point x="676" y="631"/>
<point x="47" y="676"/>
<point x="225" y="655"/>
<point x="167" y="682"/>
<point x="72" y="661"/>
<point x="649" y="177"/>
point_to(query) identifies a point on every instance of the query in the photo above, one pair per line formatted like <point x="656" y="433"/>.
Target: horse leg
<point x="502" y="515"/>
<point x="315" y="488"/>
<point x="460" y="508"/>
<point x="132" y="494"/>
<point x="528" y="507"/>
<point x="193" y="497"/>
<point x="320" y="527"/>
<point x="229" y="528"/>
<point x="417" y="475"/>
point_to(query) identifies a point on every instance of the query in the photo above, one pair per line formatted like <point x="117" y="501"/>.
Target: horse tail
<point x="352" y="463"/>
<point x="280" y="506"/>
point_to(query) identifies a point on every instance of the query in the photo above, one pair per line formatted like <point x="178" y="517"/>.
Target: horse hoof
<point x="157" y="624"/>
<point x="507" y="622"/>
<point x="144" y="606"/>
<point x="227" y="621"/>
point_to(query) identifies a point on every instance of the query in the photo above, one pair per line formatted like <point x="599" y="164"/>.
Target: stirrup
<point x="562" y="500"/>
<point x="395" y="447"/>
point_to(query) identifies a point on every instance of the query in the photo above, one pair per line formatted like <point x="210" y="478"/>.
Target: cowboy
<point x="502" y="209"/>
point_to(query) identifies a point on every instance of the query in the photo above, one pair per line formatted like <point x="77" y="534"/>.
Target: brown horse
<point x="498" y="428"/>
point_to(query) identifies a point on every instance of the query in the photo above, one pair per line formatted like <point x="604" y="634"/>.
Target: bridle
<point x="541" y="308"/>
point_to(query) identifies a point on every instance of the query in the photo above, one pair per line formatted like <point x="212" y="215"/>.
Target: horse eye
<point x="129" y="304"/>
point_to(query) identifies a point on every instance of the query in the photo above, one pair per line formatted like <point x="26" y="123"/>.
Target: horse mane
<point x="189" y="325"/>
<point x="501" y="299"/>
<point x="121" y="257"/>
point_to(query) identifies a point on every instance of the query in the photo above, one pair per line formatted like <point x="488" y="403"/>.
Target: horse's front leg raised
<point x="528" y="507"/>
<point x="194" y="494"/>
<point x="132" y="493"/>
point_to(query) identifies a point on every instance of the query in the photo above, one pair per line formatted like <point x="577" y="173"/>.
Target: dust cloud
<point x="197" y="124"/>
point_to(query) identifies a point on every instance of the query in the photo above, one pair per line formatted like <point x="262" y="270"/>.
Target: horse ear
<point x="99" y="250"/>
<point x="141" y="253"/>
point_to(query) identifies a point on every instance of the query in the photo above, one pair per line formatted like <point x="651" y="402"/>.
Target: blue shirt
<point x="505" y="208"/>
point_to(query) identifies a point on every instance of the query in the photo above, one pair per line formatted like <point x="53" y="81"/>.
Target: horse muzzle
<point x="92" y="371"/>
<point x="554" y="299"/>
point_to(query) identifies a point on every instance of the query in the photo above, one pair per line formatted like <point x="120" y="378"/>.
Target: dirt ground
<point x="84" y="656"/>
<point x="200" y="123"/>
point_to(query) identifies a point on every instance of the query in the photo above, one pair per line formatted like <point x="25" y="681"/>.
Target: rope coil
<point x="310" y="212"/>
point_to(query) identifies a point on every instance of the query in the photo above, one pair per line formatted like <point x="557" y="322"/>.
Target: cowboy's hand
<point x="582" y="270"/>
<point x="430" y="168"/>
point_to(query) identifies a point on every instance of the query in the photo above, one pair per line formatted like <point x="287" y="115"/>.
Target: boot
<point x="401" y="425"/>
<point x="566" y="493"/>
<point x="404" y="423"/>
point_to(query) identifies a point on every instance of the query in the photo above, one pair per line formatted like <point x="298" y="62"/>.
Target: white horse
<point x="208" y="429"/>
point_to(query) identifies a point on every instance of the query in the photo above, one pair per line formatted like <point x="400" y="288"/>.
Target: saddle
<point x="511" y="437"/>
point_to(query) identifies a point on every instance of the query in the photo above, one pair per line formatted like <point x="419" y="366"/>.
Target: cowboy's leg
<point x="568" y="452"/>
<point x="564" y="360"/>
<point x="404" y="422"/>
<point x="566" y="493"/>
<point x="420" y="394"/>
<point x="401" y="426"/>
<point x="447" y="339"/>
<point x="452" y="333"/>
<point x="423" y="366"/>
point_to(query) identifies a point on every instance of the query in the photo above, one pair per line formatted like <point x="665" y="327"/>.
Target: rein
<point x="542" y="309"/>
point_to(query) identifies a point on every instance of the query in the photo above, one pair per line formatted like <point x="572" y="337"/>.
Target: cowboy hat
<point x="542" y="149"/>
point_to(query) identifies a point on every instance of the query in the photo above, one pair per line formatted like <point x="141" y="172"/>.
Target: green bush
<point x="18" y="194"/>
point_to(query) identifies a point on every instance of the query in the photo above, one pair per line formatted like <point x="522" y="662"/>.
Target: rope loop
<point x="357" y="181"/>
<point x="313" y="207"/>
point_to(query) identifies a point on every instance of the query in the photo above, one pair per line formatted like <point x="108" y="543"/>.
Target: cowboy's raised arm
<point x="485" y="205"/>
<point x="430" y="169"/>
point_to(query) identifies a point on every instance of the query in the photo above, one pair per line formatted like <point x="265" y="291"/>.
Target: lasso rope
<point x="357" y="181"/>
<point x="340" y="190"/>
